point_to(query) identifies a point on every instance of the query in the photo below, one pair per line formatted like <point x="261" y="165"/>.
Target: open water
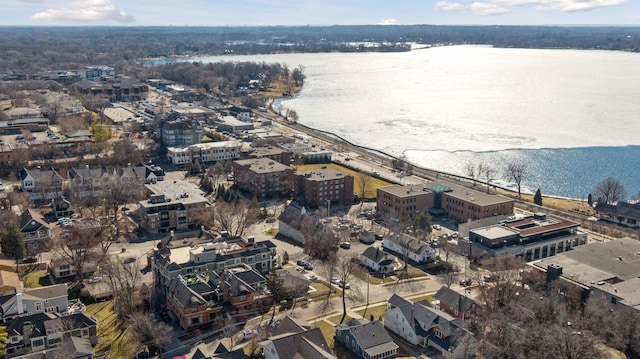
<point x="572" y="116"/>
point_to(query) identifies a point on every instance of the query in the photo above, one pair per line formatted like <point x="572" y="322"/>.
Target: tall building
<point x="324" y="186"/>
<point x="263" y="177"/>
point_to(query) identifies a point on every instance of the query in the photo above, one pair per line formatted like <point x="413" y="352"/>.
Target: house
<point x="299" y="342"/>
<point x="208" y="350"/>
<point x="291" y="220"/>
<point x="170" y="207"/>
<point x="49" y="299"/>
<point x="378" y="261"/>
<point x="455" y="304"/>
<point x="263" y="177"/>
<point x="45" y="332"/>
<point x="211" y="296"/>
<point x="41" y="185"/>
<point x="9" y="282"/>
<point x="419" y="324"/>
<point x="624" y="213"/>
<point x="61" y="207"/>
<point x="441" y="198"/>
<point x="34" y="228"/>
<point x="416" y="250"/>
<point x="294" y="283"/>
<point x="366" y="339"/>
<point x="533" y="237"/>
<point x="324" y="186"/>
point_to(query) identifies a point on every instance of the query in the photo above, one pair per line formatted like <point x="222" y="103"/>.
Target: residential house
<point x="367" y="340"/>
<point x="624" y="213"/>
<point x="62" y="266"/>
<point x="299" y="342"/>
<point x="61" y="207"/>
<point x="170" y="207"/>
<point x="532" y="237"/>
<point x="294" y="283"/>
<point x="263" y="177"/>
<point x="41" y="185"/>
<point x="209" y="350"/>
<point x="204" y="153"/>
<point x="378" y="261"/>
<point x="180" y="132"/>
<point x="209" y="297"/>
<point x="85" y="182"/>
<point x="291" y="219"/>
<point x="168" y="264"/>
<point x="419" y="324"/>
<point x="9" y="282"/>
<point x="441" y="198"/>
<point x="416" y="250"/>
<point x="44" y="332"/>
<point x="324" y="186"/>
<point x="454" y="303"/>
<point x="48" y="299"/>
<point x="34" y="228"/>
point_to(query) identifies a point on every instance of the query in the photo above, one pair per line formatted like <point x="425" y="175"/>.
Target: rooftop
<point x="175" y="191"/>
<point x="263" y="165"/>
<point x="323" y="174"/>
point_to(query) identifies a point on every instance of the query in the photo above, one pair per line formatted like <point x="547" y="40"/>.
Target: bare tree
<point x="276" y="288"/>
<point x="474" y="171"/>
<point x="234" y="218"/>
<point x="76" y="247"/>
<point x="516" y="172"/>
<point x="362" y="180"/>
<point x="148" y="333"/>
<point x="123" y="280"/>
<point x="610" y="191"/>
<point x="346" y="270"/>
<point x="450" y="275"/>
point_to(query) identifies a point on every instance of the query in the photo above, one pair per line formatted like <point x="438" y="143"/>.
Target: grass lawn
<point x="321" y="291"/>
<point x="372" y="185"/>
<point x="421" y="298"/>
<point x="336" y="319"/>
<point x="328" y="331"/>
<point x="36" y="279"/>
<point x="112" y="336"/>
<point x="377" y="311"/>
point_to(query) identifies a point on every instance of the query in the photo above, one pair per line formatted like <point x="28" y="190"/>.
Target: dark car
<point x="308" y="266"/>
<point x="465" y="282"/>
<point x="345" y="245"/>
<point x="301" y="263"/>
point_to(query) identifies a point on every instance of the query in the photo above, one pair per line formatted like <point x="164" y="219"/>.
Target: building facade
<point x="204" y="152"/>
<point x="263" y="177"/>
<point x="324" y="186"/>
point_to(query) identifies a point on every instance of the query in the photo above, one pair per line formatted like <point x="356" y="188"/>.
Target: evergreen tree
<point x="590" y="200"/>
<point x="3" y="341"/>
<point x="13" y="243"/>
<point x="537" y="198"/>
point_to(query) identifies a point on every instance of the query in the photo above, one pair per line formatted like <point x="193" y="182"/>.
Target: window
<point x="37" y="343"/>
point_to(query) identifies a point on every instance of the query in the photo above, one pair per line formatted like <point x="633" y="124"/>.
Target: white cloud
<point x="562" y="5"/>
<point x="388" y="22"/>
<point x="448" y="6"/>
<point x="85" y="11"/>
<point x="483" y="8"/>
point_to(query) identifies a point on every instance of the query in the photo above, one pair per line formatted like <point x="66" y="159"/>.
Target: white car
<point x="312" y="277"/>
<point x="436" y="227"/>
<point x="335" y="280"/>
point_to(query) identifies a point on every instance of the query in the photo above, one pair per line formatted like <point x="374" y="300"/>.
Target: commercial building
<point x="263" y="177"/>
<point x="204" y="152"/>
<point x="532" y="237"/>
<point x="441" y="199"/>
<point x="322" y="186"/>
<point x="275" y="153"/>
<point x="170" y="207"/>
<point x="180" y="132"/>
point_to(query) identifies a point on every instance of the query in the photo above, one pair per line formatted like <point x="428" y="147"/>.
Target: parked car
<point x="335" y="280"/>
<point x="465" y="282"/>
<point x="301" y="263"/>
<point x="308" y="266"/>
<point x="312" y="277"/>
<point x="436" y="227"/>
<point x="345" y="245"/>
<point x="344" y="285"/>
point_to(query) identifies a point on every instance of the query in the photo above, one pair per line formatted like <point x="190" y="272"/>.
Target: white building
<point x="204" y="152"/>
<point x="417" y="250"/>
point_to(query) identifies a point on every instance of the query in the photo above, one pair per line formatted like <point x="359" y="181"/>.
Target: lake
<point x="570" y="115"/>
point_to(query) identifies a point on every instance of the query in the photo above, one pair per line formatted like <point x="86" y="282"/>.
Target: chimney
<point x="27" y="329"/>
<point x="251" y="239"/>
<point x="554" y="271"/>
<point x="19" y="303"/>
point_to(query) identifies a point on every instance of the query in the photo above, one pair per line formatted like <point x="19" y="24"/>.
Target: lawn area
<point x="374" y="278"/>
<point x="112" y="336"/>
<point x="421" y="298"/>
<point x="321" y="291"/>
<point x="328" y="331"/>
<point x="336" y="319"/>
<point x="377" y="311"/>
<point x="36" y="279"/>
<point x="372" y="185"/>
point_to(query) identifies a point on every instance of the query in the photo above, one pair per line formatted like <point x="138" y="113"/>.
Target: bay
<point x="570" y="115"/>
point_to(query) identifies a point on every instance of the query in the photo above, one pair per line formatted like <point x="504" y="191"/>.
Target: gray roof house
<point x="309" y="344"/>
<point x="378" y="260"/>
<point x="456" y="304"/>
<point x="419" y="324"/>
<point x="366" y="339"/>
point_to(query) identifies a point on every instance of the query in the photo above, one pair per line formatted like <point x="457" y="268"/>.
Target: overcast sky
<point x="318" y="12"/>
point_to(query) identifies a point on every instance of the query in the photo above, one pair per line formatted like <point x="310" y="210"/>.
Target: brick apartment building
<point x="263" y="177"/>
<point x="322" y="185"/>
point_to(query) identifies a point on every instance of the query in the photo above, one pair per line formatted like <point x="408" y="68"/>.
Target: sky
<point x="317" y="12"/>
